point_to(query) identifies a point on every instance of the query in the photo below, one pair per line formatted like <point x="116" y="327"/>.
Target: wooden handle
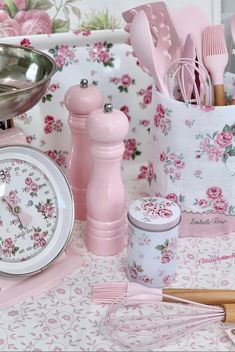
<point x="229" y="310"/>
<point x="219" y="95"/>
<point x="206" y="296"/>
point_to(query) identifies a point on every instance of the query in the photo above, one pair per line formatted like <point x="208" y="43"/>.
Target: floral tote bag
<point x="192" y="161"/>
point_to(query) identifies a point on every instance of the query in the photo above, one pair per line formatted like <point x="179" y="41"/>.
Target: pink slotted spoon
<point x="155" y="58"/>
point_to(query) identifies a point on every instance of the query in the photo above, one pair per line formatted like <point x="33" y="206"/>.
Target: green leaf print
<point x="15" y="249"/>
<point x="139" y="268"/>
<point x="160" y="247"/>
<point x="228" y="148"/>
<point x="226" y="128"/>
<point x="11" y="7"/>
<point x="225" y="157"/>
<point x="231" y="210"/>
<point x="38" y="4"/>
<point x="231" y="152"/>
<point x="59" y="26"/>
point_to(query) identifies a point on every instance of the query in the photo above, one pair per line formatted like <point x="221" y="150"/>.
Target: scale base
<point x="17" y="290"/>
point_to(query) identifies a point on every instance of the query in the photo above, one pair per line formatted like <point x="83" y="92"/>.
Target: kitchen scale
<point x="36" y="202"/>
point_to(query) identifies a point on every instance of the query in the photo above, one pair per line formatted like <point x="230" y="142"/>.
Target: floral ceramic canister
<point x="152" y="241"/>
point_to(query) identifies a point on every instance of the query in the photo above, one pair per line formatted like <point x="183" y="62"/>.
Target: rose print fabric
<point x="192" y="155"/>
<point x="109" y="65"/>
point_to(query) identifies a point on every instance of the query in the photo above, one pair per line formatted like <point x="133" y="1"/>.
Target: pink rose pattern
<point x="173" y="165"/>
<point x="168" y="250"/>
<point x="151" y="173"/>
<point x="33" y="22"/>
<point x="13" y="196"/>
<point x="172" y="197"/>
<point x="162" y="119"/>
<point x="31" y="187"/>
<point x="166" y="278"/>
<point x="123" y="82"/>
<point x="153" y="209"/>
<point x="126" y="111"/>
<point x="21" y="17"/>
<point x="47" y="210"/>
<point x="16" y="21"/>
<point x="131" y="149"/>
<point x="7" y="248"/>
<point x="215" y="202"/>
<point x="26" y="42"/>
<point x="135" y="271"/>
<point x="143" y="172"/>
<point x="147" y="172"/>
<point x="30" y="138"/>
<point x="218" y="146"/>
<point x="39" y="238"/>
<point x="146" y="95"/>
<point x="100" y="52"/>
<point x="52" y="124"/>
<point x="58" y="156"/>
<point x="49" y="93"/>
<point x="64" y="56"/>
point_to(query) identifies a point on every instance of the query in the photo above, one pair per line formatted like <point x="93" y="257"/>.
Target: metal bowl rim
<point x="38" y="52"/>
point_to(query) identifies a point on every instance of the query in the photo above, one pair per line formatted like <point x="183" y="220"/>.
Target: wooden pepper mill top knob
<point x="83" y="99"/>
<point x="107" y="125"/>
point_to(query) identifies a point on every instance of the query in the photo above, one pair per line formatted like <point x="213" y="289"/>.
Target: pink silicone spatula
<point x="215" y="57"/>
<point x="155" y="59"/>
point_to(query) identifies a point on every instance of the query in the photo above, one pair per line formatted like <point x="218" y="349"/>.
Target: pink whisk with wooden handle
<point x="138" y="324"/>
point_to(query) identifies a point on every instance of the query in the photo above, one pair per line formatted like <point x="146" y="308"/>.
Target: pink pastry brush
<point x="215" y="58"/>
<point x="113" y="292"/>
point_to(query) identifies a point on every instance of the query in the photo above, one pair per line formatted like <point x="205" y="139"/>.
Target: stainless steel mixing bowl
<point x="25" y="74"/>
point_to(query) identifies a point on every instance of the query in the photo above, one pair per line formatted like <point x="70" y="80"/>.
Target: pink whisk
<point x="138" y="324"/>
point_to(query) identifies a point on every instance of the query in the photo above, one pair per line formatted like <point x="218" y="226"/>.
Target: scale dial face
<point x="36" y="210"/>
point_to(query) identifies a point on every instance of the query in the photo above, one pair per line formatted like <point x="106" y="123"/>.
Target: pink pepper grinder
<point x="105" y="192"/>
<point x="80" y="100"/>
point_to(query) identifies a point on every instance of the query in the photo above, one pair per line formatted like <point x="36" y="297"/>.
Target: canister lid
<point x="154" y="213"/>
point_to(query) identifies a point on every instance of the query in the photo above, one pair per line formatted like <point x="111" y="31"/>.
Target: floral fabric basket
<point x="192" y="161"/>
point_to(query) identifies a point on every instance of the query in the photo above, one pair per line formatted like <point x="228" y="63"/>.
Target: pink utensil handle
<point x="80" y="100"/>
<point x="105" y="193"/>
<point x="19" y="289"/>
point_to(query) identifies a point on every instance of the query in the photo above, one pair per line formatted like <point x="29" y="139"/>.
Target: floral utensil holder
<point x="192" y="162"/>
<point x="152" y="241"/>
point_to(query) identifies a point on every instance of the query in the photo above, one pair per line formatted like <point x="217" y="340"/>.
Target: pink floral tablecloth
<point x="65" y="319"/>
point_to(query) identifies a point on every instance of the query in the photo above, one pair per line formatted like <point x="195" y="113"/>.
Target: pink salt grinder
<point x="105" y="192"/>
<point x="80" y="100"/>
